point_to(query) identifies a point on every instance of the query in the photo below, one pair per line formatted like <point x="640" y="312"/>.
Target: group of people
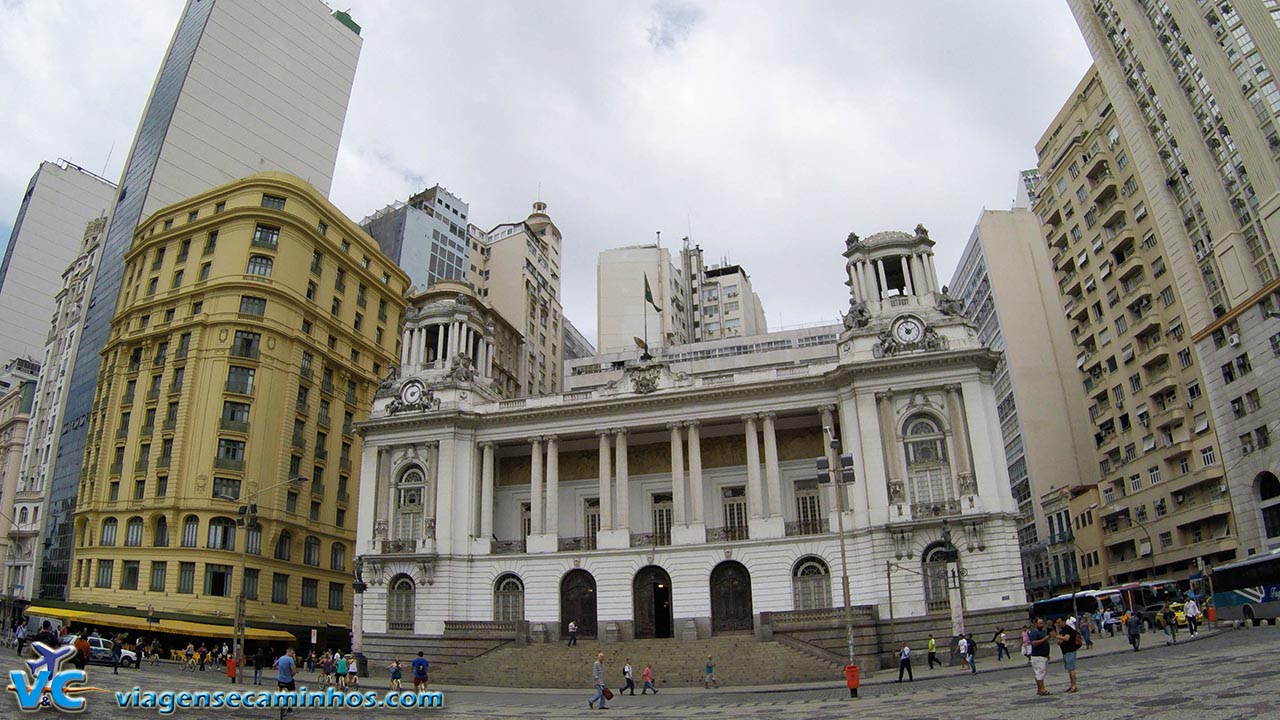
<point x="966" y="648"/>
<point x="419" y="669"/>
<point x="602" y="692"/>
<point x="335" y="668"/>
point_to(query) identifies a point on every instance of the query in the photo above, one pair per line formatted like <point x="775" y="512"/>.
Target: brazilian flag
<point x="648" y="294"/>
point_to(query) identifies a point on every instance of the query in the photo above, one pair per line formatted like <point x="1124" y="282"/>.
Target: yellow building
<point x="252" y="329"/>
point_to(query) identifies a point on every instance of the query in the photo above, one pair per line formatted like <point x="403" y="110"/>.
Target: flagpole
<point x="645" y="355"/>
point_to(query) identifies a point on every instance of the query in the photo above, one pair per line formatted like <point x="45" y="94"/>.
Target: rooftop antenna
<point x="108" y="160"/>
<point x="659" y="238"/>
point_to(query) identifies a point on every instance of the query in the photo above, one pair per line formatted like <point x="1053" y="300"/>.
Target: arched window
<point x="933" y="568"/>
<point x="161" y="536"/>
<point x="22" y="516"/>
<point x="338" y="557"/>
<point x="133" y="532"/>
<point x="928" y="471"/>
<point x="284" y="545"/>
<point x="83" y="533"/>
<point x="222" y="534"/>
<point x="108" y="534"/>
<point x="190" y="531"/>
<point x="400" y="604"/>
<point x="253" y="540"/>
<point x="259" y="265"/>
<point x="311" y="550"/>
<point x="410" y="497"/>
<point x="811" y="584"/>
<point x="508" y="598"/>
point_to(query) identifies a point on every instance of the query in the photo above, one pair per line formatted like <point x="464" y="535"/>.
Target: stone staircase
<point x="739" y="660"/>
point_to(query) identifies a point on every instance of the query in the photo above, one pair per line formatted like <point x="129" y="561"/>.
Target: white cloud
<point x="765" y="131"/>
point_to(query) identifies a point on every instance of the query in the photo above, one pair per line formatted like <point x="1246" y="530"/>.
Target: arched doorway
<point x="651" y="601"/>
<point x="731" y="598"/>
<point x="578" y="603"/>
<point x="933" y="572"/>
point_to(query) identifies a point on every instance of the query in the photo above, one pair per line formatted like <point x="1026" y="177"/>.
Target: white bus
<point x="1249" y="590"/>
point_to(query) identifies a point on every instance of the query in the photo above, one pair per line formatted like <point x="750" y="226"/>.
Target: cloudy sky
<point x="765" y="131"/>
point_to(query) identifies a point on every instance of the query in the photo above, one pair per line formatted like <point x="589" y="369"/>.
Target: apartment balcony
<point x="350" y="397"/>
<point x="117" y="468"/>
<point x="225" y="463"/>
<point x="127" y="399"/>
<point x="1155" y="352"/>
<point x="153" y="394"/>
<point x="181" y="354"/>
<point x="317" y="487"/>
<point x="727" y="534"/>
<point x="122" y="433"/>
<point x="348" y="427"/>
<point x="148" y="430"/>
<point x="322" y="454"/>
<point x="158" y="362"/>
<point x="327" y="387"/>
<point x="135" y="366"/>
<point x="164" y="461"/>
<point x="140" y="466"/>
<point x="240" y="426"/>
<point x="322" y="420"/>
<point x="1129" y="265"/>
<point x="239" y="388"/>
<point x="170" y="424"/>
<point x="343" y="496"/>
<point x="175" y="388"/>
<point x="345" y="463"/>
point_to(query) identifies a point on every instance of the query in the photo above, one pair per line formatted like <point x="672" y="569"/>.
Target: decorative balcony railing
<point x="576" y="544"/>
<point x="507" y="547"/>
<point x="808" y="527"/>
<point x="941" y="508"/>
<point x="651" y="539"/>
<point x="726" y="534"/>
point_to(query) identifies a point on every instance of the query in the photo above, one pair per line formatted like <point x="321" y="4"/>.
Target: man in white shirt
<point x="963" y="649"/>
<point x="904" y="665"/>
<point x="1192" y="611"/>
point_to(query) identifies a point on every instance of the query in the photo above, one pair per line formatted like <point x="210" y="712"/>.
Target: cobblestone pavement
<point x="1222" y="677"/>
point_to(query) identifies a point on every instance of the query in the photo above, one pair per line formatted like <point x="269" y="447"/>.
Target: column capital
<point x="750" y="417"/>
<point x="551" y="438"/>
<point x="622" y="432"/>
<point x="487" y="444"/>
<point x="675" y="425"/>
<point x="951" y="387"/>
<point x="884" y="396"/>
<point x="535" y="439"/>
<point x="770" y="415"/>
<point x="692" y="423"/>
<point x="604" y="433"/>
<point x="826" y="408"/>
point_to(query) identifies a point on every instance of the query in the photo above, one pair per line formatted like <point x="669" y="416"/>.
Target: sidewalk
<point x="1102" y="646"/>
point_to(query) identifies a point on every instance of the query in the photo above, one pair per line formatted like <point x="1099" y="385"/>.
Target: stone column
<point x="965" y="484"/>
<point x="933" y="271"/>
<point x="620" y="461"/>
<point x="678" y="516"/>
<point x="615" y="535"/>
<point x="404" y="347"/>
<point x="906" y="276"/>
<point x="697" y="495"/>
<point x="917" y="271"/>
<point x="553" y="485"/>
<point x="889" y="444"/>
<point x="606" y="482"/>
<point x="884" y="282"/>
<point x="486" y="491"/>
<point x="439" y="345"/>
<point x="772" y="481"/>
<point x="488" y="359"/>
<point x="755" y="501"/>
<point x="855" y="282"/>
<point x="535" y="483"/>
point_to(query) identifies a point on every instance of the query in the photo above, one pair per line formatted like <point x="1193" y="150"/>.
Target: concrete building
<point x="60" y="199"/>
<point x="1006" y="286"/>
<point x="427" y="236"/>
<point x="245" y="347"/>
<point x="15" y="411"/>
<point x="1195" y="81"/>
<point x="518" y="274"/>
<point x="45" y="429"/>
<point x="1122" y="272"/>
<point x="675" y="496"/>
<point x="244" y="87"/>
<point x="622" y="314"/>
<point x="729" y="307"/>
<point x="576" y="345"/>
<point x="1091" y="560"/>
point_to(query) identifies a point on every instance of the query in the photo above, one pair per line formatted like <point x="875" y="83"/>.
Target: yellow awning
<point x="173" y="627"/>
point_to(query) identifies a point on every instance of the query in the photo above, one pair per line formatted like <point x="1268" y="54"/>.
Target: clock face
<point x="908" y="330"/>
<point x="411" y="393"/>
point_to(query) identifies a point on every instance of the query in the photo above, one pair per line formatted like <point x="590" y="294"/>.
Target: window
<point x="279" y="588"/>
<point x="108" y="535"/>
<point x="273" y="202"/>
<point x="251" y="584"/>
<point x="335" y="596"/>
<point x="133" y="532"/>
<point x="177" y="279"/>
<point x="291" y="502"/>
<point x="1166" y="296"/>
<point x="159" y="573"/>
<point x="253" y="305"/>
<point x="259" y="265"/>
<point x="322" y="228"/>
<point x="161" y="536"/>
<point x="265" y="236"/>
<point x="508" y="598"/>
<point x="222" y="534"/>
<point x="310" y="592"/>
<point x="105" y="570"/>
<point x="1207" y="456"/>
<point x="162" y="485"/>
<point x="400" y="605"/>
<point x="340" y="280"/>
<point x="245" y="344"/>
<point x="311" y="551"/>
<point x="187" y="577"/>
<point x="190" y="531"/>
<point x="1184" y="358"/>
<point x="240" y="380"/>
<point x="1135" y="483"/>
<point x="204" y="271"/>
<point x="335" y="307"/>
<point x="933" y="569"/>
<point x="338" y="557"/>
<point x="230" y="453"/>
<point x="284" y="545"/>
<point x="1153" y="474"/>
<point x="315" y="261"/>
<point x="151" y="286"/>
<point x="1193" y="390"/>
<point x="811" y="584"/>
<point x="211" y="243"/>
<point x="253" y="540"/>
<point x="217" y="580"/>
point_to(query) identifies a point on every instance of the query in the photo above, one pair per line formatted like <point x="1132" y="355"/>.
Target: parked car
<point x="100" y="652"/>
<point x="1179" y="615"/>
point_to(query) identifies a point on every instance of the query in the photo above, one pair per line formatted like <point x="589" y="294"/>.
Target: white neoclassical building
<point x="676" y="495"/>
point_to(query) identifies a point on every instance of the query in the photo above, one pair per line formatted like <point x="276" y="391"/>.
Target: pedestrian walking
<point x="420" y="673"/>
<point x="1192" y="611"/>
<point x="597" y="681"/>
<point x="353" y="672"/>
<point x="231" y="668"/>
<point x="203" y="658"/>
<point x="647" y="676"/>
<point x="1002" y="645"/>
<point x="933" y="653"/>
<point x="1026" y="643"/>
<point x="962" y="648"/>
<point x="1038" y="640"/>
<point x="1108" y="623"/>
<point x="340" y="671"/>
<point x="21" y="637"/>
<point x="394" y="667"/>
<point x="1170" y="624"/>
<point x="630" y="683"/>
<point x="904" y="663"/>
<point x="117" y="648"/>
<point x="710" y="670"/>
<point x="573" y="633"/>
<point x="1133" y="626"/>
<point x="973" y="652"/>
<point x="259" y="661"/>
<point x="1069" y="641"/>
<point x="1084" y="632"/>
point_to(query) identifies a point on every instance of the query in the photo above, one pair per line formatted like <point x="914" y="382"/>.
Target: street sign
<point x="313" y="636"/>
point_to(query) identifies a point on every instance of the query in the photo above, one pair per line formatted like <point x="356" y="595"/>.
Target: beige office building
<point x="1121" y="272"/>
<point x="623" y="314"/>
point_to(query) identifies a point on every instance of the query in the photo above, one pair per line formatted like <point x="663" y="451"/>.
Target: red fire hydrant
<point x="851" y="678"/>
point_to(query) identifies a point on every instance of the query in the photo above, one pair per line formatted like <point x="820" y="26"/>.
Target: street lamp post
<point x="247" y="518"/>
<point x="840" y="473"/>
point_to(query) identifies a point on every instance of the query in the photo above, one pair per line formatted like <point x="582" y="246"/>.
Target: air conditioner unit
<point x="1119" y="404"/>
<point x="1201" y="254"/>
<point x="1146" y="421"/>
<point x="1191" y="403"/>
<point x="1233" y="339"/>
<point x="1178" y="498"/>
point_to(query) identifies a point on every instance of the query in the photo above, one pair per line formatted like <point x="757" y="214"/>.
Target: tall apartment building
<point x="576" y="345"/>
<point x="1122" y="272"/>
<point x="1006" y="287"/>
<point x="518" y="273"/>
<point x="244" y="87"/>
<point x="59" y="200"/>
<point x="255" y="324"/>
<point x="427" y="236"/>
<point x="15" y="412"/>
<point x="729" y="307"/>
<point x="623" y="314"/>
<point x="1195" y="81"/>
<point x="44" y="431"/>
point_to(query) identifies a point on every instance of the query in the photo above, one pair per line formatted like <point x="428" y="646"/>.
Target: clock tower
<point x="896" y="305"/>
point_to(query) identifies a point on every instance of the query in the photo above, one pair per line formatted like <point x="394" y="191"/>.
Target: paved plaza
<point x="1227" y="675"/>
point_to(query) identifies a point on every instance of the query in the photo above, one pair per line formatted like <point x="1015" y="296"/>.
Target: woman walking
<point x="394" y="667"/>
<point x="647" y="676"/>
<point x="1026" y="643"/>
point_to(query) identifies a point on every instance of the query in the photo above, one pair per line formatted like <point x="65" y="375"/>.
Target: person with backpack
<point x="1069" y="641"/>
<point x="420" y="666"/>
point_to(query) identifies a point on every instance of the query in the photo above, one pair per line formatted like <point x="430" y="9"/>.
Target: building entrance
<point x="651" y="600"/>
